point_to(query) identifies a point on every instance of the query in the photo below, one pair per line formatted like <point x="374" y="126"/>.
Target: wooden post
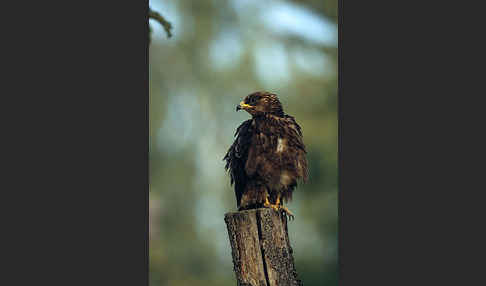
<point x="262" y="255"/>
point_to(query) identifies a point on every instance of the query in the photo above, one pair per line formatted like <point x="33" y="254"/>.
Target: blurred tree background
<point x="219" y="52"/>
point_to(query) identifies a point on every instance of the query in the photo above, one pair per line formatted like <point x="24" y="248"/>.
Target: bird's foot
<point x="278" y="207"/>
<point x="267" y="204"/>
<point x="287" y="212"/>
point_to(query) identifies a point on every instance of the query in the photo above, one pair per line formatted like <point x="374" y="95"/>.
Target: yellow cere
<point x="244" y="105"/>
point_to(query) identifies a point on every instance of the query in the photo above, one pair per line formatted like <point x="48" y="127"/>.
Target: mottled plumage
<point x="268" y="155"/>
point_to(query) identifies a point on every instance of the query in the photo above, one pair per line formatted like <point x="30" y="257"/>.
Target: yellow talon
<point x="279" y="207"/>
<point x="269" y="205"/>
<point x="284" y="209"/>
<point x="287" y="212"/>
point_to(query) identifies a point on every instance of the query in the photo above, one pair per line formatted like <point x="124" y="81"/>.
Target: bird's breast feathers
<point x="276" y="150"/>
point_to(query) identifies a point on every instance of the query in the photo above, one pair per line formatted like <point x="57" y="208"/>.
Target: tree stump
<point x="262" y="255"/>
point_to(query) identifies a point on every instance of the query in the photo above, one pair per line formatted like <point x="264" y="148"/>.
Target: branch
<point x="159" y="18"/>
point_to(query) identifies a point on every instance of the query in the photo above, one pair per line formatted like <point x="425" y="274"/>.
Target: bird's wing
<point x="295" y="136"/>
<point x="294" y="132"/>
<point x="236" y="158"/>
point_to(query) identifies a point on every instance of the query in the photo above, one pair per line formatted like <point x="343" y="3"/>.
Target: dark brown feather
<point x="268" y="155"/>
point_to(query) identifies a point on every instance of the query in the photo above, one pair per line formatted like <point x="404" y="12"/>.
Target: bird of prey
<point x="268" y="155"/>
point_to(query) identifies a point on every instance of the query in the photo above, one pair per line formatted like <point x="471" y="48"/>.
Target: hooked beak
<point x="243" y="105"/>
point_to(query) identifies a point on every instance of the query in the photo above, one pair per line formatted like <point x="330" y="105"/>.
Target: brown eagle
<point x="268" y="155"/>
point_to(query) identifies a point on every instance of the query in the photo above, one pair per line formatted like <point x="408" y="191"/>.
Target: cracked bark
<point x="260" y="246"/>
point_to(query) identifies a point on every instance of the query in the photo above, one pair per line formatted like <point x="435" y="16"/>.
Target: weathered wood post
<point x="262" y="255"/>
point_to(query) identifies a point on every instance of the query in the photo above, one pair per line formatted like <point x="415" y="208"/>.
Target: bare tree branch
<point x="159" y="18"/>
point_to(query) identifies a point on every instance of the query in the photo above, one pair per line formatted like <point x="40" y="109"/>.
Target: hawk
<point x="268" y="155"/>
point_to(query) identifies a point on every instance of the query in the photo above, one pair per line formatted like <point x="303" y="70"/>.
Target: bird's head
<point x="260" y="103"/>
